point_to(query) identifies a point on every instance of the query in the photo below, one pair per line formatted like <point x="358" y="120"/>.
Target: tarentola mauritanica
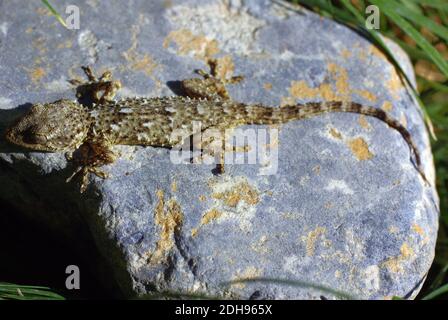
<point x="65" y="125"/>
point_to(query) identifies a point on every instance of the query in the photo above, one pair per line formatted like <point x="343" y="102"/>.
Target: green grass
<point x="9" y="291"/>
<point x="54" y="12"/>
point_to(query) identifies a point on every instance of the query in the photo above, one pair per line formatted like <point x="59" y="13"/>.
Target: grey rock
<point x="345" y="210"/>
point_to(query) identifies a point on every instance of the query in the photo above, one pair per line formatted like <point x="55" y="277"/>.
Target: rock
<point x="345" y="210"/>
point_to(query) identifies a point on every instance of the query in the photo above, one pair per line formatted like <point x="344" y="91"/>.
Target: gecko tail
<point x="418" y="165"/>
<point x="308" y="110"/>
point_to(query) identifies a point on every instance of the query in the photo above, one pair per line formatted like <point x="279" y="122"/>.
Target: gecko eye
<point x="31" y="137"/>
<point x="40" y="138"/>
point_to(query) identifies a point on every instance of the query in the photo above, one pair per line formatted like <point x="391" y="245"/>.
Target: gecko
<point x="90" y="132"/>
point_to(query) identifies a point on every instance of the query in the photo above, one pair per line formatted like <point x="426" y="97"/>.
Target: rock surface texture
<point x="345" y="210"/>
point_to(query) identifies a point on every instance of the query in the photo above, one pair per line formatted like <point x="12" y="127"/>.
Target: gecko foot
<point x="211" y="86"/>
<point x="84" y="172"/>
<point x="88" y="158"/>
<point x="90" y="91"/>
<point x="219" y="170"/>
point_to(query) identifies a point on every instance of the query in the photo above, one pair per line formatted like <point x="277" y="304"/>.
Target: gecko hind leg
<point x="211" y="86"/>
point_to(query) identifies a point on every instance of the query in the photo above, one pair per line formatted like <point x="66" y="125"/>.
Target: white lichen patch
<point x="371" y="276"/>
<point x="229" y="24"/>
<point x="419" y="210"/>
<point x="58" y="85"/>
<point x="304" y="180"/>
<point x="4" y="28"/>
<point x="6" y="103"/>
<point x="290" y="264"/>
<point x="355" y="246"/>
<point x="261" y="246"/>
<point x="287" y="55"/>
<point x="87" y="41"/>
<point x="340" y="186"/>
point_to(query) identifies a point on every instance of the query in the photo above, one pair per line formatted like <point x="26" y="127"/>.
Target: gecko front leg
<point x="96" y="90"/>
<point x="89" y="157"/>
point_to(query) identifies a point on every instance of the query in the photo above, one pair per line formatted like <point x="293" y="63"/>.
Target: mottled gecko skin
<point x="67" y="126"/>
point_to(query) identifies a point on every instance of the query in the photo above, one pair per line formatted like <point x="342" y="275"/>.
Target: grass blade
<point x="439" y="278"/>
<point x="420" y="20"/>
<point x="54" y="12"/>
<point x="443" y="289"/>
<point x="432" y="52"/>
<point x="18" y="292"/>
<point x="437" y="4"/>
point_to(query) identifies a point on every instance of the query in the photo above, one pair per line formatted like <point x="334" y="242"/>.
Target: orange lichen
<point x="311" y="238"/>
<point x="366" y="95"/>
<point x="394" y="84"/>
<point x="300" y="89"/>
<point x="240" y="192"/>
<point x="342" y="85"/>
<point x="267" y="86"/>
<point x="341" y="91"/>
<point x="327" y="93"/>
<point x="345" y="53"/>
<point x="169" y="217"/>
<point x="37" y="74"/>
<point x="138" y="61"/>
<point x="395" y="264"/>
<point x="415" y="227"/>
<point x="208" y="217"/>
<point x="387" y="106"/>
<point x="363" y="122"/>
<point x="187" y="42"/>
<point x="145" y="63"/>
<point x="360" y="149"/>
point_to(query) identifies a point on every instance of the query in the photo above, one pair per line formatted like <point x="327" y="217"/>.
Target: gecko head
<point x="58" y="126"/>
